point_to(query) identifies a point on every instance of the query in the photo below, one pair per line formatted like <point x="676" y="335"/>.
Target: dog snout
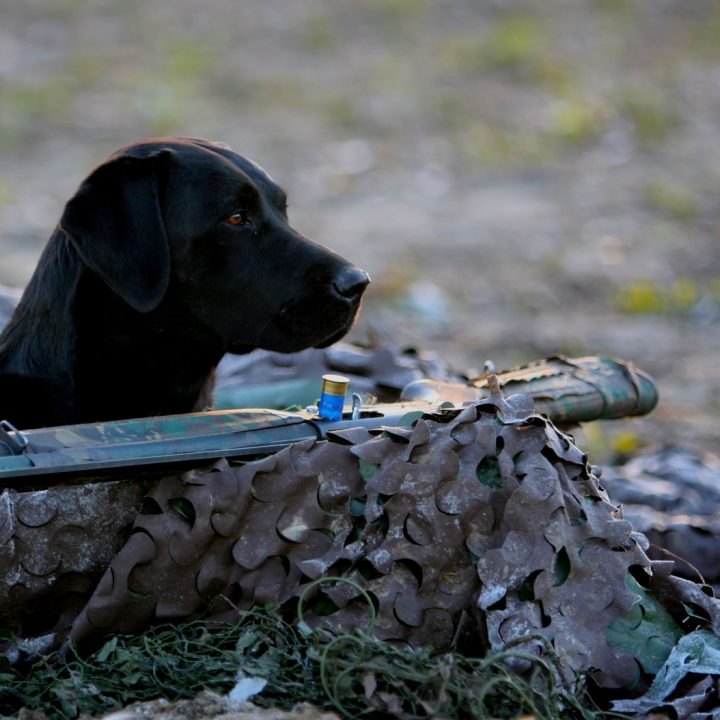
<point x="350" y="282"/>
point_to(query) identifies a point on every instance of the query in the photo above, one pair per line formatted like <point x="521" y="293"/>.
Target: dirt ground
<point x="518" y="178"/>
<point x="203" y="707"/>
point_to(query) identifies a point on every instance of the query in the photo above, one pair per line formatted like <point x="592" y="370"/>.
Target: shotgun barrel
<point x="567" y="390"/>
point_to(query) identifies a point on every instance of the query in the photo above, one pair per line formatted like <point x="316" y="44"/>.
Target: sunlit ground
<point x="519" y="178"/>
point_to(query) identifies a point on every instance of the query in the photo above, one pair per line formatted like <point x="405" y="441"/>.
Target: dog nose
<point x="350" y="282"/>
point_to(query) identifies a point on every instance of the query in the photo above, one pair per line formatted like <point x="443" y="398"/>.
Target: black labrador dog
<point x="171" y="253"/>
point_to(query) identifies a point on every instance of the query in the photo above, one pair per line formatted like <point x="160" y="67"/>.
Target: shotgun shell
<point x="332" y="397"/>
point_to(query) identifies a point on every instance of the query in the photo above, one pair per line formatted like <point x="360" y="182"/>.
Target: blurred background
<point x="519" y="178"/>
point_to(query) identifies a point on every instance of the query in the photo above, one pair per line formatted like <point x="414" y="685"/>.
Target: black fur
<point x="144" y="285"/>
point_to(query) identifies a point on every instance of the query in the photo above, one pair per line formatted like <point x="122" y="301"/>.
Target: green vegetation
<point x="317" y="35"/>
<point x="577" y="121"/>
<point x="652" y="115"/>
<point x="672" y="200"/>
<point x="512" y="147"/>
<point x="355" y="675"/>
<point x="608" y="442"/>
<point x="645" y="296"/>
<point x="516" y="45"/>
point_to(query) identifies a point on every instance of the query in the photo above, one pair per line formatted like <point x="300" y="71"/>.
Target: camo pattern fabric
<point x="484" y="522"/>
<point x="673" y="497"/>
<point x="688" y="685"/>
<point x="50" y="556"/>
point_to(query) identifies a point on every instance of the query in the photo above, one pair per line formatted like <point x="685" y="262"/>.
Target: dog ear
<point x="115" y="223"/>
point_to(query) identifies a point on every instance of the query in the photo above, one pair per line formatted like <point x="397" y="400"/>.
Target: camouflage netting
<point x="673" y="497"/>
<point x="483" y="523"/>
<point x="54" y="546"/>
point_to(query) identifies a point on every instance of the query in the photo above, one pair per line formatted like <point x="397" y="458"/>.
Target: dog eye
<point x="238" y="218"/>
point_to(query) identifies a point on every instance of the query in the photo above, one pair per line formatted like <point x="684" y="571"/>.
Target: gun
<point x="567" y="390"/>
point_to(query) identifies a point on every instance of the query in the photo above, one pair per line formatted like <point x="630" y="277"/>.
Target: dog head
<point x="194" y="225"/>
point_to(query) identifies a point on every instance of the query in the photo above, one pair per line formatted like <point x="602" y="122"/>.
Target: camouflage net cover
<point x="480" y="526"/>
<point x="55" y="545"/>
<point x="673" y="497"/>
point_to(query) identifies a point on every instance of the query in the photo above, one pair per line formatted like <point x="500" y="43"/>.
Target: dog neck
<point x="96" y="357"/>
<point x="132" y="364"/>
<point x="39" y="337"/>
